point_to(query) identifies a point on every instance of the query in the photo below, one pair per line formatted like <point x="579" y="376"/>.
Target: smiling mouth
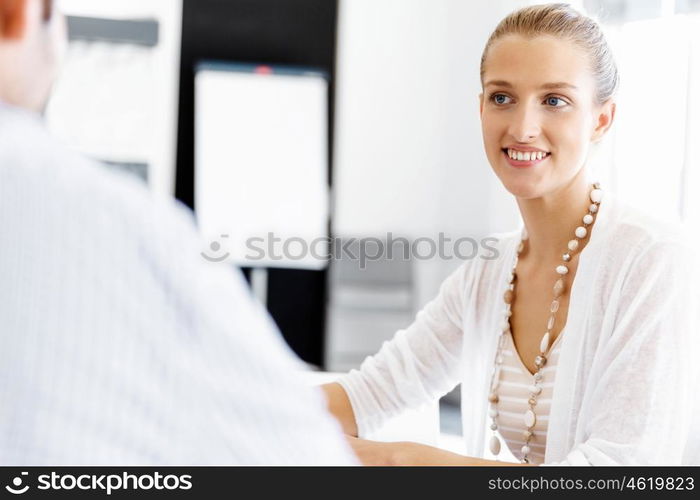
<point x="518" y="158"/>
<point x="517" y="155"/>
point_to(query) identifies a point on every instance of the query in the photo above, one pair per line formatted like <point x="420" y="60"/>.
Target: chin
<point x="523" y="189"/>
<point x="525" y="185"/>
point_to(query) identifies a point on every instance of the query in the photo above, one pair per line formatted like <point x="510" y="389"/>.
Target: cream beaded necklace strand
<point x="529" y="417"/>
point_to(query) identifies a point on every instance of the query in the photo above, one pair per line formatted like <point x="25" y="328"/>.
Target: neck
<point x="550" y="220"/>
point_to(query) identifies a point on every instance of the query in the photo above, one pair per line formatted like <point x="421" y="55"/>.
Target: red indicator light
<point x="263" y="70"/>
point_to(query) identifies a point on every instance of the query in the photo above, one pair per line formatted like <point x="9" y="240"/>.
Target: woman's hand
<point x="407" y="453"/>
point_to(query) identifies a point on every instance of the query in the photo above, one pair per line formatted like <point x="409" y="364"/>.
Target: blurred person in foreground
<point x="120" y="344"/>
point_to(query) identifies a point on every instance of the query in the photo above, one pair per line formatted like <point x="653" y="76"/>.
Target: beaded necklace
<point x="529" y="417"/>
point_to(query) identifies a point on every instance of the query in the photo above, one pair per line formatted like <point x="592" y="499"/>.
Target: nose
<point x="525" y="123"/>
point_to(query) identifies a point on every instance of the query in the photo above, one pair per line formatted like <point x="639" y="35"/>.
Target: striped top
<point x="513" y="394"/>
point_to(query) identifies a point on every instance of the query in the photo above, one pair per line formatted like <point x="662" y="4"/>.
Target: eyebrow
<point x="554" y="85"/>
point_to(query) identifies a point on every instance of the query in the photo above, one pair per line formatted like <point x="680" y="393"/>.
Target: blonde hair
<point x="563" y="21"/>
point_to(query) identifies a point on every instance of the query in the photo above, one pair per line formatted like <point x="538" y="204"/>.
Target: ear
<point x="481" y="103"/>
<point x="606" y="115"/>
<point x="13" y="19"/>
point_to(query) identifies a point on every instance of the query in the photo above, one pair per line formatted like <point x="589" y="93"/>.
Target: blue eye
<point x="500" y="98"/>
<point x="552" y="101"/>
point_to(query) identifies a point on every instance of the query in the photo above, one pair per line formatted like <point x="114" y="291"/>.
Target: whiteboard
<point x="261" y="164"/>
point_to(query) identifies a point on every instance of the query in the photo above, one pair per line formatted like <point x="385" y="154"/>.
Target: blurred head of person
<point x="32" y="43"/>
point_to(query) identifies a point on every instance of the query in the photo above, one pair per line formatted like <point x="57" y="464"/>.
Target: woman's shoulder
<point x="489" y="264"/>
<point x="501" y="242"/>
<point x="649" y="245"/>
<point x="637" y="230"/>
<point x="485" y="258"/>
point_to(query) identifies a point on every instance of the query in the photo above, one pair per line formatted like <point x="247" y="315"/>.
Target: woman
<point x="576" y="345"/>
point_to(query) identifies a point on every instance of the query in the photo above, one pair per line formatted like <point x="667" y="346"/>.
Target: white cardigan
<point x="625" y="385"/>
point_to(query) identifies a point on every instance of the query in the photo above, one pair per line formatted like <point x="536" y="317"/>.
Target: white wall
<point x="409" y="153"/>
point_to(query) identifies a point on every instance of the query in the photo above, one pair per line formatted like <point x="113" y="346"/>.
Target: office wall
<point x="409" y="153"/>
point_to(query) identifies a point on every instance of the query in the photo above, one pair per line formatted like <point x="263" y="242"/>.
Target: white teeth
<point x="526" y="155"/>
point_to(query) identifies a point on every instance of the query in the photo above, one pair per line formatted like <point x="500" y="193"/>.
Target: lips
<point x="534" y="157"/>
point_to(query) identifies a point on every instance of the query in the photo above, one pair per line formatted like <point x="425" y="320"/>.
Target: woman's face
<point x="538" y="113"/>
